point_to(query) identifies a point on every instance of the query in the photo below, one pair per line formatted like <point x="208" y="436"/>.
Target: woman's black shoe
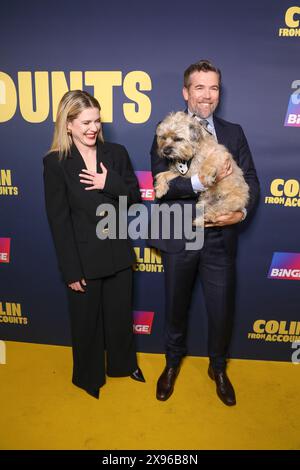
<point x="138" y="375"/>
<point x="94" y="393"/>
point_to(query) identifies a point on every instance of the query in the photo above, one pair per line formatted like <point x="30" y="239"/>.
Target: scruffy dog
<point x="191" y="149"/>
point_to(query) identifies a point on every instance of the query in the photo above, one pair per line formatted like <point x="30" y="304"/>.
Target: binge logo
<point x="2" y="353"/>
<point x="146" y="185"/>
<point x="4" y="250"/>
<point x="142" y="322"/>
<point x="292" y="118"/>
<point x="6" y="187"/>
<point x="292" y="17"/>
<point x="285" y="266"/>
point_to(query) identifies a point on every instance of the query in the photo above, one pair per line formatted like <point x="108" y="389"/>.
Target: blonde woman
<point x="81" y="171"/>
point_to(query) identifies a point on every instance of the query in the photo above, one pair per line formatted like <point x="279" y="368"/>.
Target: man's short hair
<point x="201" y="66"/>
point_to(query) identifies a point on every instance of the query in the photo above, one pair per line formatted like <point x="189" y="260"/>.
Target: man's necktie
<point x="205" y="124"/>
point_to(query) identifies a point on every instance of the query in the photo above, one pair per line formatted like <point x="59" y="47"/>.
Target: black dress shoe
<point x="165" y="384"/>
<point x="94" y="392"/>
<point x="224" y="388"/>
<point x="138" y="375"/>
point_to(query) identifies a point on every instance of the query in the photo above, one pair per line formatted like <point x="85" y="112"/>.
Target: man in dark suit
<point x="214" y="264"/>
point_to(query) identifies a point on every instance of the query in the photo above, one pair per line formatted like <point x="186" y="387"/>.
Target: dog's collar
<point x="183" y="166"/>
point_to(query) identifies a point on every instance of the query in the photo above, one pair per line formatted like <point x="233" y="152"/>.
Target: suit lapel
<point x="226" y="137"/>
<point x="220" y="131"/>
<point x="103" y="155"/>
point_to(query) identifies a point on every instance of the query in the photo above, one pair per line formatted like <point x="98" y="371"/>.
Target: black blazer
<point x="181" y="190"/>
<point x="71" y="212"/>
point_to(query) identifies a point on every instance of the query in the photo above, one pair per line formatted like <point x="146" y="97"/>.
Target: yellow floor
<point x="41" y="409"/>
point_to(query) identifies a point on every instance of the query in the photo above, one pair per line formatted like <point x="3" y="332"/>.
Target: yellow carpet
<point x="41" y="409"/>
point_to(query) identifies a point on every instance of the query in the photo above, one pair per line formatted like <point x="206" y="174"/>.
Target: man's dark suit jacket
<point x="72" y="216"/>
<point x="181" y="190"/>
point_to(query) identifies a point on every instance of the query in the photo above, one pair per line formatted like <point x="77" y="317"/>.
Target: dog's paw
<point x="210" y="216"/>
<point x="198" y="222"/>
<point x="160" y="191"/>
<point x="161" y="185"/>
<point x="208" y="179"/>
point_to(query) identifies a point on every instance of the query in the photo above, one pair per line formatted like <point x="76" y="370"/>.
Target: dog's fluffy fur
<point x="181" y="138"/>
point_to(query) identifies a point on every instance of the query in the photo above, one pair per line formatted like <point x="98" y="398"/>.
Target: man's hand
<point x="226" y="171"/>
<point x="227" y="219"/>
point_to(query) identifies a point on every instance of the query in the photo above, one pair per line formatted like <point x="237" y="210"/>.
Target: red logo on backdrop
<point x="4" y="250"/>
<point x="142" y="322"/>
<point x="146" y="185"/>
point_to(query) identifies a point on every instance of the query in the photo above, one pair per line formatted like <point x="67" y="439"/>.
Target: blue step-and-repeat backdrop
<point x="131" y="56"/>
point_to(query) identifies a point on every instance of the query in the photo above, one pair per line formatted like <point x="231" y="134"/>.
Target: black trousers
<point x="101" y="319"/>
<point x="216" y="270"/>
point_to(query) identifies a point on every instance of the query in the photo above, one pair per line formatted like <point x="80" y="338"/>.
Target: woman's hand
<point x="78" y="285"/>
<point x="97" y="180"/>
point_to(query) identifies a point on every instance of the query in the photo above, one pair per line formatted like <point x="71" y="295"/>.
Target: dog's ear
<point x="195" y="132"/>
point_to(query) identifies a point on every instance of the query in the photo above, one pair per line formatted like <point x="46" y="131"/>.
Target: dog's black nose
<point x="168" y="150"/>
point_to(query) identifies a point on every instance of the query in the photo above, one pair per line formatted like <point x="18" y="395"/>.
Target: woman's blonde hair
<point x="69" y="108"/>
